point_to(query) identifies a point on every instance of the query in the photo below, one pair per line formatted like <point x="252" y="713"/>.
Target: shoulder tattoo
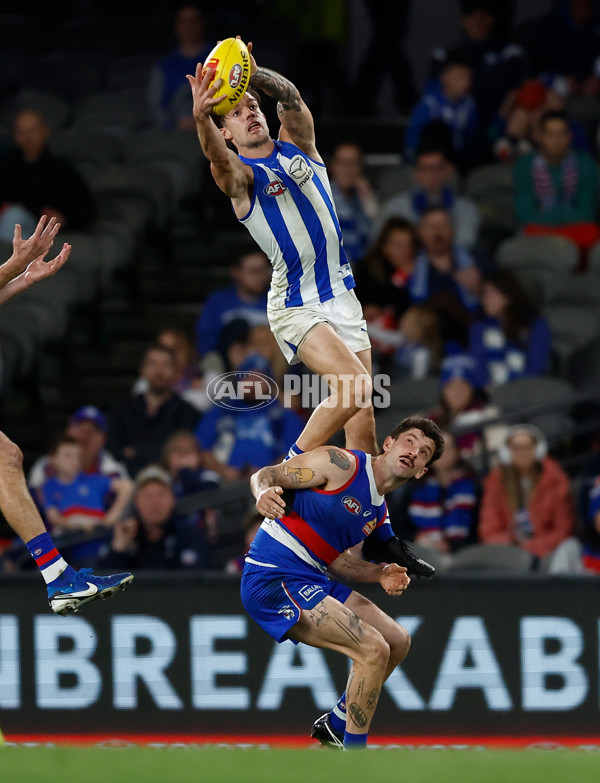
<point x="338" y="458"/>
<point x="298" y="475"/>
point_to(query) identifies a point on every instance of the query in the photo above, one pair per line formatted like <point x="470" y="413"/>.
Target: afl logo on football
<point x="351" y="504"/>
<point x="235" y="76"/>
<point x="275" y="188"/>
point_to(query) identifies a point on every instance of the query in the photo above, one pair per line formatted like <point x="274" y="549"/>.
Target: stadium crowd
<point x="477" y="262"/>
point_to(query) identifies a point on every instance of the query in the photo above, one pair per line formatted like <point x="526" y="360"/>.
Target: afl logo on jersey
<point x="300" y="170"/>
<point x="351" y="504"/>
<point x="275" y="188"/>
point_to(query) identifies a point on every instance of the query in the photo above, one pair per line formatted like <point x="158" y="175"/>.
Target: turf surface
<point x="227" y="765"/>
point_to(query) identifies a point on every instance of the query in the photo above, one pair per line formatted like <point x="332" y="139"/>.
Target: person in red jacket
<point x="527" y="503"/>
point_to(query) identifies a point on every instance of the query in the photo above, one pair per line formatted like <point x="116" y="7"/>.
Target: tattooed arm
<point x="326" y="467"/>
<point x="297" y="124"/>
<point x="392" y="577"/>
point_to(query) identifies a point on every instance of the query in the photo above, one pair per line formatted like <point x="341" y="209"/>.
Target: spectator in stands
<point x="76" y="501"/>
<point x="498" y="65"/>
<point x="245" y="435"/>
<point x="34" y="182"/>
<point x="556" y="189"/>
<point x="190" y="381"/>
<point x="442" y="509"/>
<point x="252" y="522"/>
<point x="433" y="175"/>
<point x="463" y="404"/>
<point x="527" y="504"/>
<point x="355" y="201"/>
<point x="446" y="275"/>
<point x="447" y="113"/>
<point x="168" y="91"/>
<point x="245" y="300"/>
<point x="511" y="340"/>
<point x="591" y="533"/>
<point x="154" y="535"/>
<point x="185" y="462"/>
<point x="515" y="131"/>
<point x="140" y="424"/>
<point x="87" y="426"/>
<point x="565" y="43"/>
<point x="383" y="278"/>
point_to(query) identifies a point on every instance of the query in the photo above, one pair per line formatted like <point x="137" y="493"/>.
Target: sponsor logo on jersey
<point x="367" y="512"/>
<point x="300" y="170"/>
<point x="235" y="76"/>
<point x="308" y="591"/>
<point x="351" y="504"/>
<point x="275" y="188"/>
<point x="370" y="527"/>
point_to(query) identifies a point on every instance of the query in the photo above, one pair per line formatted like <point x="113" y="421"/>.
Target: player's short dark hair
<point x="555" y="114"/>
<point x="219" y="119"/>
<point x="428" y="427"/>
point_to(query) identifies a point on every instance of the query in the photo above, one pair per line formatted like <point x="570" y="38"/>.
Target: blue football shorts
<point x="275" y="598"/>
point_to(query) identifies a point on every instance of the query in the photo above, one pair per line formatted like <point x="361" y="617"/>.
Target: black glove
<point x="394" y="550"/>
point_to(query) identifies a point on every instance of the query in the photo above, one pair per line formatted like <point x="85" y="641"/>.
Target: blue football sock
<point x="48" y="559"/>
<point x="355" y="741"/>
<point x="337" y="716"/>
<point x="294" y="451"/>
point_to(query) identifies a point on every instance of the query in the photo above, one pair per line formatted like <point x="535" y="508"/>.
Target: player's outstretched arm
<point x="26" y="250"/>
<point x="325" y="467"/>
<point x="37" y="270"/>
<point x="229" y="172"/>
<point x="393" y="578"/>
<point x="297" y="123"/>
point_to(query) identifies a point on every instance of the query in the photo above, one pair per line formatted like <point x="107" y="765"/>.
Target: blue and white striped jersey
<point x="293" y="219"/>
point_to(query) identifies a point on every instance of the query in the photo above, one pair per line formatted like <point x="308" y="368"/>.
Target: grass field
<point x="227" y="765"/>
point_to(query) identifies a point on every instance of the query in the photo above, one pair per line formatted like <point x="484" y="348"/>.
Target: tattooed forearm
<point x="339" y="458"/>
<point x="278" y="87"/>
<point x="357" y="715"/>
<point x="298" y="475"/>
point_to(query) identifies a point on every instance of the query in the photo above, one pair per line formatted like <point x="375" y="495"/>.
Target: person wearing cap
<point x="154" y="535"/>
<point x="140" y="424"/>
<point x="88" y="427"/>
<point x="527" y="505"/>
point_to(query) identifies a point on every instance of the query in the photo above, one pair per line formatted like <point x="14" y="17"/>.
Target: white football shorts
<point x="343" y="313"/>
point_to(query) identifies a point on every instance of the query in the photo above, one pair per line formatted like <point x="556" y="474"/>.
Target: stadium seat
<point x="171" y="146"/>
<point x="54" y="108"/>
<point x="573" y="327"/>
<point x="491" y="183"/>
<point x="73" y="75"/>
<point x="129" y="72"/>
<point x="535" y="392"/>
<point x="572" y="290"/>
<point x="492" y="557"/>
<point x="393" y="180"/>
<point x="127" y="109"/>
<point x="89" y="145"/>
<point x="546" y="253"/>
<point x="149" y="181"/>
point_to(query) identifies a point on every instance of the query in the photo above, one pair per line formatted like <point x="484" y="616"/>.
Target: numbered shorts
<point x="275" y="598"/>
<point x="343" y="313"/>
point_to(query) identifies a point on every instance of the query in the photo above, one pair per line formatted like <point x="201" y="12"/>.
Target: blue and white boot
<point x="85" y="586"/>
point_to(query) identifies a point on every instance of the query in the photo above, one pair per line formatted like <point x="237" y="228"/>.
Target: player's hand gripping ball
<point x="230" y="60"/>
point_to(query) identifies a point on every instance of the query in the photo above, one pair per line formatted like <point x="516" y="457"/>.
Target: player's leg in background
<point x="22" y="515"/>
<point x="325" y="353"/>
<point x="395" y="635"/>
<point x="360" y="428"/>
<point x="333" y="626"/>
<point x="68" y="589"/>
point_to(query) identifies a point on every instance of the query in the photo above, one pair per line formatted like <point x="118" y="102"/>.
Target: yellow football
<point x="230" y="61"/>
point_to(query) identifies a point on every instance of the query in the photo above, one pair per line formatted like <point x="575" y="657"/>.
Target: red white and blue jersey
<point x="324" y="523"/>
<point x="292" y="218"/>
<point x="85" y="495"/>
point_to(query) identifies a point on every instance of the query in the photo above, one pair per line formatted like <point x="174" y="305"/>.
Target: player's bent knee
<point x="375" y="650"/>
<point x="399" y="645"/>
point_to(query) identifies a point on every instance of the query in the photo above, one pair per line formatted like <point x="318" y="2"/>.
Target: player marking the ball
<point x="280" y="192"/>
